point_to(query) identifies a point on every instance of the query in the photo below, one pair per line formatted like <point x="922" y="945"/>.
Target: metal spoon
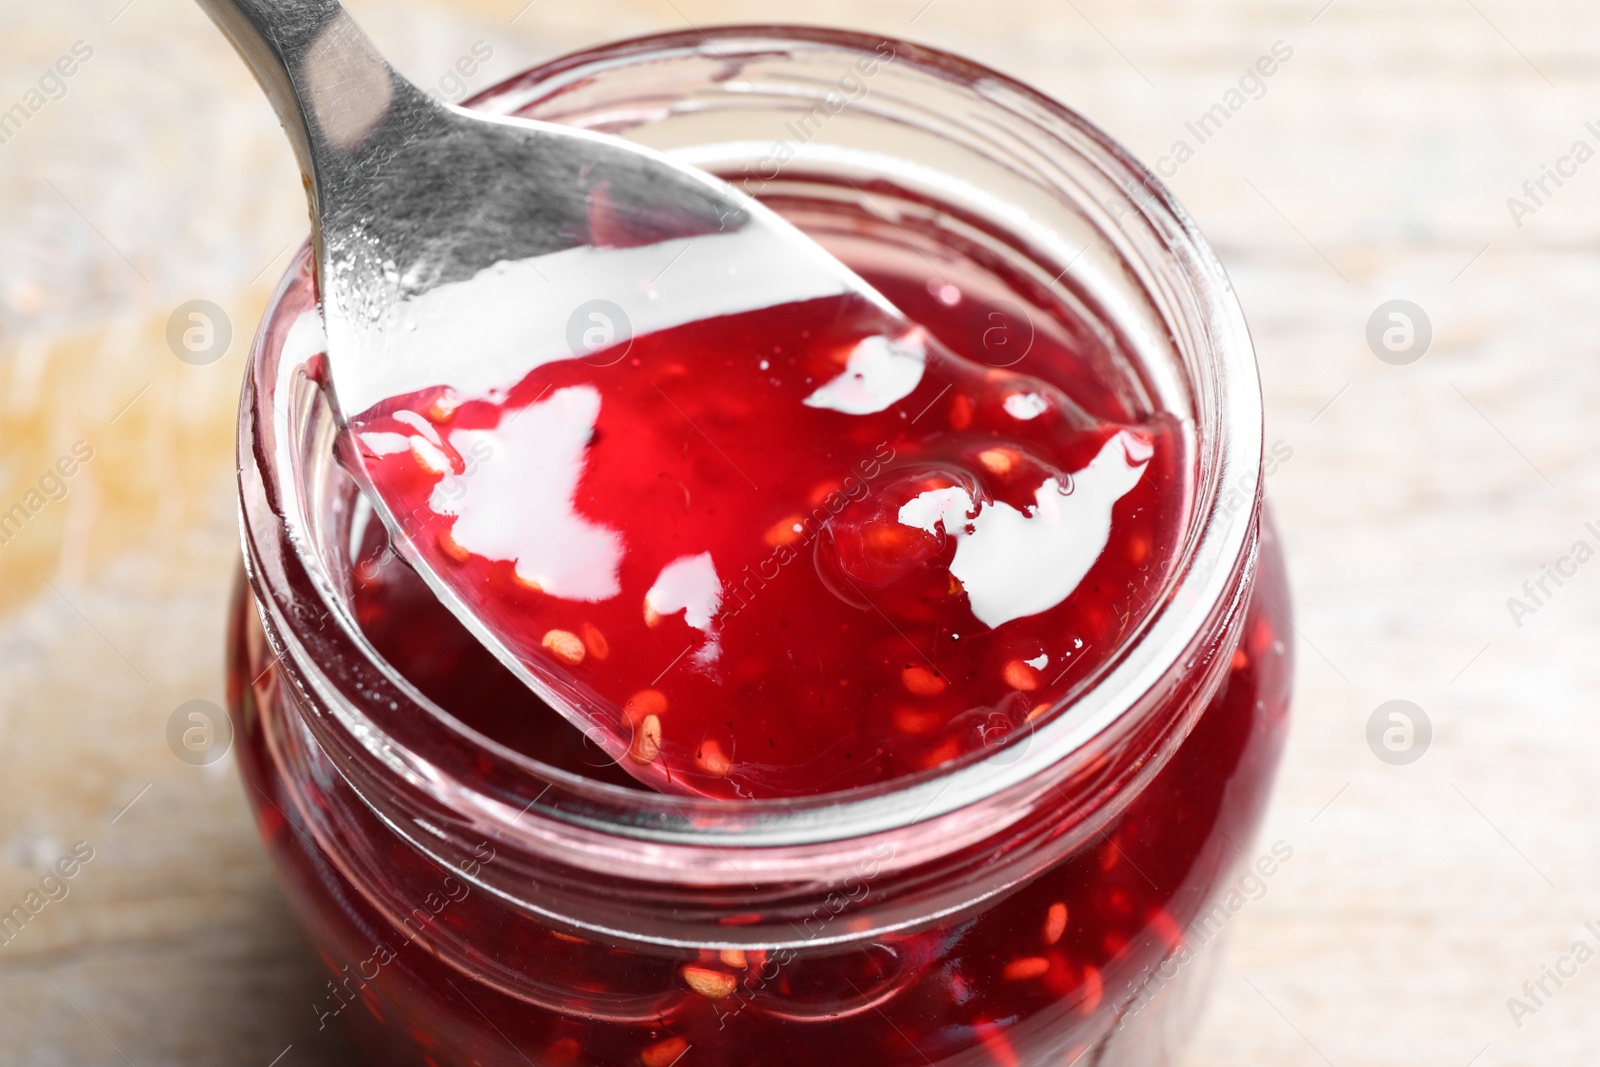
<point x="423" y="214"/>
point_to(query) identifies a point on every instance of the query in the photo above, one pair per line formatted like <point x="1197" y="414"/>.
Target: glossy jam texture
<point x="1042" y="974"/>
<point x="786" y="552"/>
<point x="1076" y="961"/>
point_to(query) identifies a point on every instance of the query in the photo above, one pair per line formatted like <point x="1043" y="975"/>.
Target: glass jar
<point x="1049" y="901"/>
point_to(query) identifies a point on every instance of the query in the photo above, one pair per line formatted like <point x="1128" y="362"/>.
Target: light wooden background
<point x="1418" y="498"/>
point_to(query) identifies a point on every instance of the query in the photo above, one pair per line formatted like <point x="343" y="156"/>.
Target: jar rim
<point x="1211" y="583"/>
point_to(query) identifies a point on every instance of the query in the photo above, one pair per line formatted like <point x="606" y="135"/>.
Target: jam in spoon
<point x="457" y="251"/>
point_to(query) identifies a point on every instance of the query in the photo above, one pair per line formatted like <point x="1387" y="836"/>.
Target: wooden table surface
<point x="1376" y="165"/>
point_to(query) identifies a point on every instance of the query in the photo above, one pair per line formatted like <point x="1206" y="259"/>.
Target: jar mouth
<point x="361" y="706"/>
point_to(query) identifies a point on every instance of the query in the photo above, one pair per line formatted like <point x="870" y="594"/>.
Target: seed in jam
<point x="1021" y="970"/>
<point x="564" y="646"/>
<point x="1055" y="923"/>
<point x="713" y="985"/>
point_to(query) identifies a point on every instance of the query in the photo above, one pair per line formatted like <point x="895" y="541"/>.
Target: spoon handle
<point x="331" y="88"/>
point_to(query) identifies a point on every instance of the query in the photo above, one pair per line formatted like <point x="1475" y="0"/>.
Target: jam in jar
<point x="906" y="781"/>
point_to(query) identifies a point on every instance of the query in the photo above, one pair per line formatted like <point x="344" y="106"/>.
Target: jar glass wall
<point x="1043" y="901"/>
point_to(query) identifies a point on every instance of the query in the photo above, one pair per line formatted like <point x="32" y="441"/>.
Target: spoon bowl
<point x="460" y="249"/>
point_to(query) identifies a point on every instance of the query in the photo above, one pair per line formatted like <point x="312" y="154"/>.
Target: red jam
<point x="1039" y="976"/>
<point x="1057" y="925"/>
<point x="788" y="553"/>
<point x="1036" y="977"/>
